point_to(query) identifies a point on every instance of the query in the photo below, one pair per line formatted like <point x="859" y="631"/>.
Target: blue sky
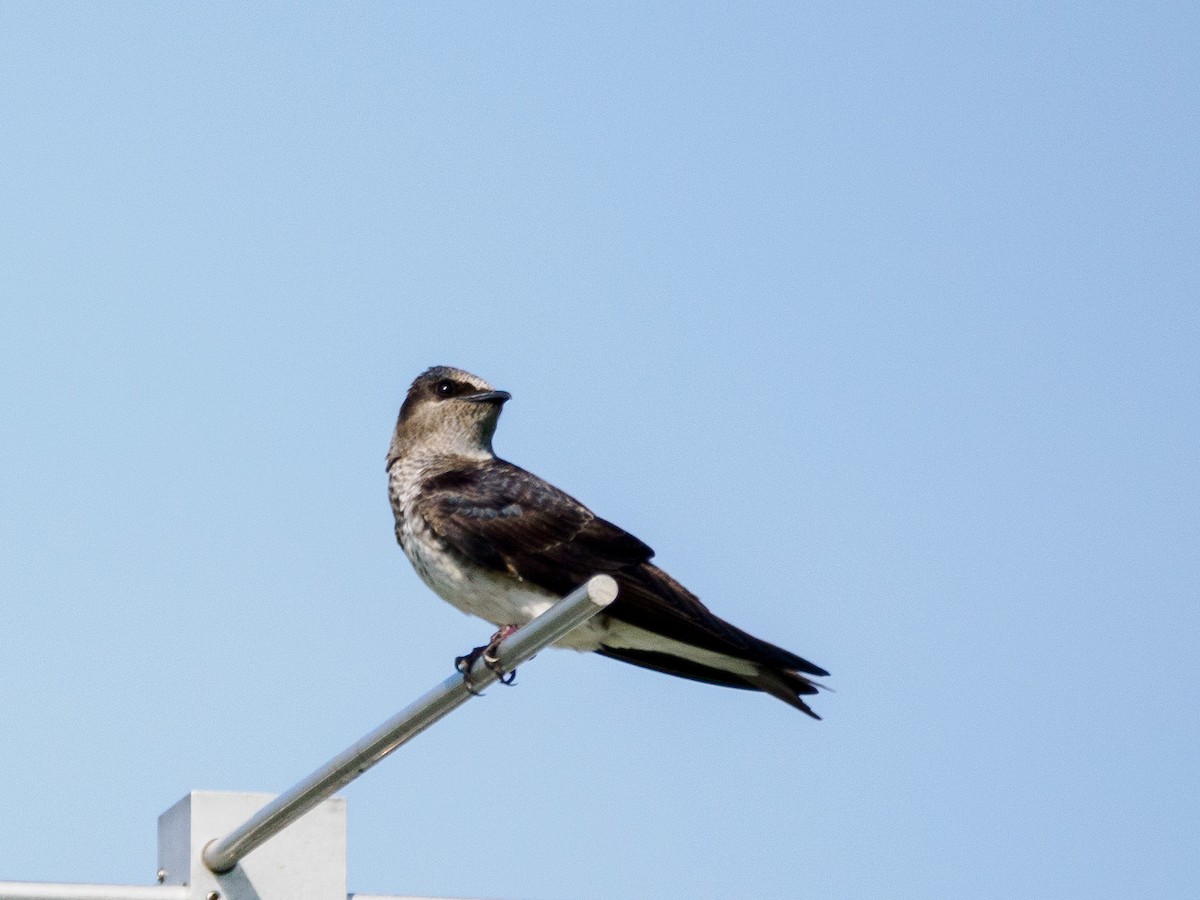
<point x="879" y="323"/>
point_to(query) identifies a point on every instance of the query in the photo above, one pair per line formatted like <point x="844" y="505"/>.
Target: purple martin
<point x="500" y="543"/>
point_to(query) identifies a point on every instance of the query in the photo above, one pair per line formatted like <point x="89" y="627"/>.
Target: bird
<point x="502" y="544"/>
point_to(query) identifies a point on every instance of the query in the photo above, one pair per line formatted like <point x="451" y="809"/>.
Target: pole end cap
<point x="602" y="589"/>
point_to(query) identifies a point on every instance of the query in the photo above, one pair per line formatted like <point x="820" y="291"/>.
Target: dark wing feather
<point x="509" y="520"/>
<point x="502" y="517"/>
<point x="651" y="599"/>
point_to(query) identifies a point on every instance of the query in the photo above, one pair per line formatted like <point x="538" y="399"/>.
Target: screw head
<point x="213" y="895"/>
<point x="161" y="875"/>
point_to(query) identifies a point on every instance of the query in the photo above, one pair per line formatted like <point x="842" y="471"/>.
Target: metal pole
<point x="40" y="890"/>
<point x="570" y="612"/>
<point x="45" y="890"/>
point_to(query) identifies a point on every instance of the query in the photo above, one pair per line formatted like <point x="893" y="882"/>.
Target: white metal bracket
<point x="306" y="861"/>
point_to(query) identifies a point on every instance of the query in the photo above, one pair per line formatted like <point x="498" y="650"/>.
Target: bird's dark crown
<point x="441" y="383"/>
<point x="448" y="412"/>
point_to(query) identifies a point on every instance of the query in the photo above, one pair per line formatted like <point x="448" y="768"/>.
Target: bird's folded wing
<point x="509" y="520"/>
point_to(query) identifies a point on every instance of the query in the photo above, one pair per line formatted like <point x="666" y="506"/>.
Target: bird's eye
<point x="444" y="388"/>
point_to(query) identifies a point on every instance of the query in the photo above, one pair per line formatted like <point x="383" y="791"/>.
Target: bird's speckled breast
<point x="494" y="597"/>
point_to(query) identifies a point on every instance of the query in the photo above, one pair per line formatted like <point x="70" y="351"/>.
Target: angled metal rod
<point x="572" y="611"/>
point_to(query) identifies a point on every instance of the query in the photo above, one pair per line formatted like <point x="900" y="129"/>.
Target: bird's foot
<point x="464" y="664"/>
<point x="489" y="653"/>
<point x="491" y="657"/>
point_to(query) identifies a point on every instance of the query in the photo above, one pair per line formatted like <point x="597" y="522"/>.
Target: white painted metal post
<point x="570" y="612"/>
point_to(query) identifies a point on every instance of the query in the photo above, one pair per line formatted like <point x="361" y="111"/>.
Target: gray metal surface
<point x="573" y="610"/>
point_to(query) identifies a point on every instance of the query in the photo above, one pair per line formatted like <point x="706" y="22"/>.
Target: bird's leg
<point x="488" y="652"/>
<point x="492" y="660"/>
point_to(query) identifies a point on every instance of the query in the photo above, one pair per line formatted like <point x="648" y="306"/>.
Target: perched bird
<point x="500" y="543"/>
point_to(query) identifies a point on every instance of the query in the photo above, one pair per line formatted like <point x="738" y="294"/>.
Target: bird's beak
<point x="489" y="397"/>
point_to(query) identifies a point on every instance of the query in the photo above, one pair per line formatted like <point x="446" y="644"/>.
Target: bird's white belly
<point x="499" y="599"/>
<point x="505" y="600"/>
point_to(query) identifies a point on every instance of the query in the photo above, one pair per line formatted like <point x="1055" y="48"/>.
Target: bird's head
<point x="447" y="411"/>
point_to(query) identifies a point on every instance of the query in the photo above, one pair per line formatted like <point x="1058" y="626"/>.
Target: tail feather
<point x="652" y="600"/>
<point x="786" y="685"/>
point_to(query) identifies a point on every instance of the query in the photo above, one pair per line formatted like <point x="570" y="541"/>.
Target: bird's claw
<point x="492" y="661"/>
<point x="464" y="664"/>
<point x="490" y="654"/>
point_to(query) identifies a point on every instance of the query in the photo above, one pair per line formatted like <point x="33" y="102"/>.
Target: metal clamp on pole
<point x="572" y="611"/>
